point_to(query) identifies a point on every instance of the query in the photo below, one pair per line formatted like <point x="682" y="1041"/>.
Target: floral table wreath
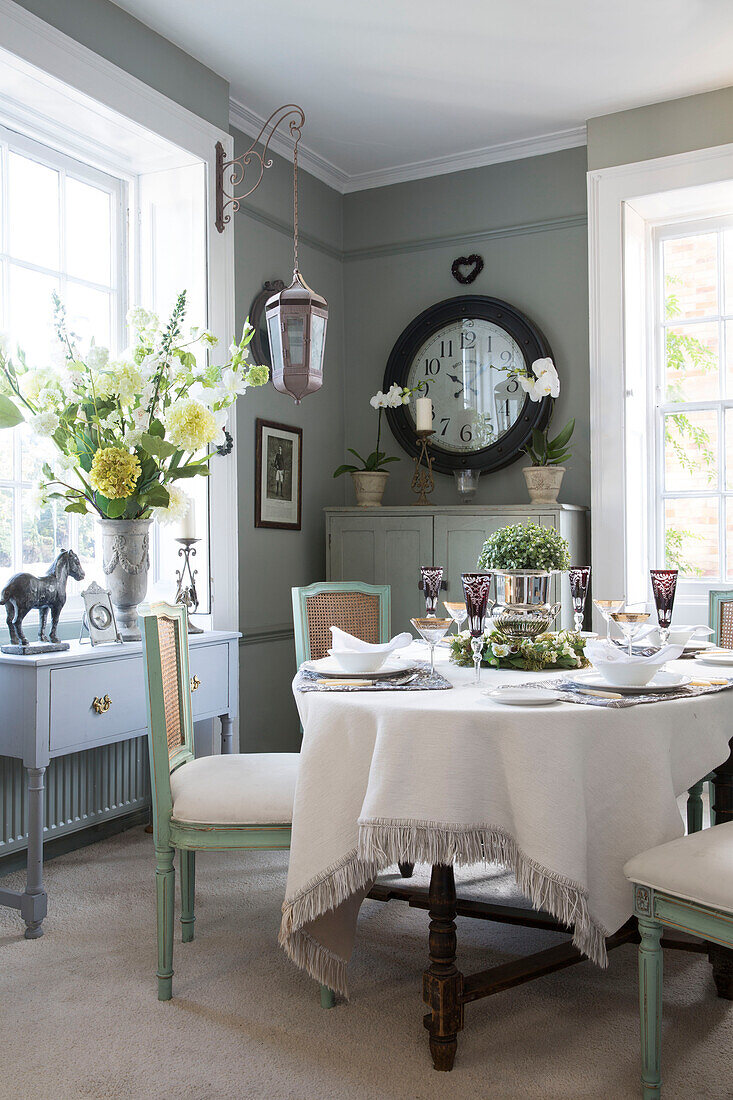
<point x="561" y="650"/>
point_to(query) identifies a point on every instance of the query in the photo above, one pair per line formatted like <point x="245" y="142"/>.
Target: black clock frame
<point x="533" y="414"/>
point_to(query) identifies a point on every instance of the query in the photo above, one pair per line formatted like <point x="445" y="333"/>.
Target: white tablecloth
<point x="563" y="795"/>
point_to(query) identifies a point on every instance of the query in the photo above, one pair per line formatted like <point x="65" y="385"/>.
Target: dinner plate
<point x="329" y="666"/>
<point x="522" y="697"/>
<point x="717" y="657"/>
<point x="662" y="681"/>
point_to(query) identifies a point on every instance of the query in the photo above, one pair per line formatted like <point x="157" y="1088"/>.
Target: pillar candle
<point x="188" y="523"/>
<point x="424" y="410"/>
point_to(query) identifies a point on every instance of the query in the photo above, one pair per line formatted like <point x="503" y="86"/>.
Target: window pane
<point x="30" y="316"/>
<point x="728" y="265"/>
<point x="691" y="276"/>
<point x="33" y="199"/>
<point x="44" y="534"/>
<point x="691" y="536"/>
<point x="88" y="232"/>
<point x="6" y="531"/>
<point x="34" y="451"/>
<point x="88" y="313"/>
<point x="692" y="361"/>
<point x="7" y="472"/>
<point x="691" y="451"/>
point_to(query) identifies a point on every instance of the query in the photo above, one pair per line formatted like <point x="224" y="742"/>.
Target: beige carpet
<point x="79" y="1016"/>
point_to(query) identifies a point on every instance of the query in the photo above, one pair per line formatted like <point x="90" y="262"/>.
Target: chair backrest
<point x="721" y="616"/>
<point x="164" y="629"/>
<point x="359" y="608"/>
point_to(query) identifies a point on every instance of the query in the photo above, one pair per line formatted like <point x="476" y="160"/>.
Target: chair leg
<point x="650" y="1007"/>
<point x="328" y="997"/>
<point x="694" y="807"/>
<point x="165" y="882"/>
<point x="406" y="869"/>
<point x="722" y="963"/>
<point x="188" y="890"/>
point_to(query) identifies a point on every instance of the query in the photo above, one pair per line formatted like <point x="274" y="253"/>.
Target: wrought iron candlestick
<point x="422" y="479"/>
<point x="186" y="590"/>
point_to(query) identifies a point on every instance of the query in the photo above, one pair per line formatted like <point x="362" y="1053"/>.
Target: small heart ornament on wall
<point x="467" y="268"/>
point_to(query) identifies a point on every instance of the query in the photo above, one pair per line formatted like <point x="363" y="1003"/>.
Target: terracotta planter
<point x="369" y="486"/>
<point x="543" y="483"/>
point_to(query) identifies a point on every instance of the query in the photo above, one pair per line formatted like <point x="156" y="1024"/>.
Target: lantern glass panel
<point x="273" y="331"/>
<point x="318" y="335"/>
<point x="294" y="335"/>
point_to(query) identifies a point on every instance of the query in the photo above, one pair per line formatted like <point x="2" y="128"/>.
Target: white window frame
<point x="110" y="91"/>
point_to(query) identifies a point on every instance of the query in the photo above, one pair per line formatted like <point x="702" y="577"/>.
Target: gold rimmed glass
<point x="432" y="630"/>
<point x="630" y="623"/>
<point x="607" y="609"/>
<point x="457" y="612"/>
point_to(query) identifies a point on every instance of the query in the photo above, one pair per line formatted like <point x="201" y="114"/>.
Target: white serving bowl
<point x="628" y="673"/>
<point x="358" y="661"/>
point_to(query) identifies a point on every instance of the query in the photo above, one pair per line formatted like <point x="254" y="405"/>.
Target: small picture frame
<point x="99" y="616"/>
<point x="278" y="475"/>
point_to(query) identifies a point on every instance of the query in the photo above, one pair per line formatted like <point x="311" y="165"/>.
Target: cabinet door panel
<point x="458" y="543"/>
<point x="407" y="544"/>
<point x="353" y="549"/>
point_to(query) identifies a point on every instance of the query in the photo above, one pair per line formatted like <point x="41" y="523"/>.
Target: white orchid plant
<point x="128" y="430"/>
<point x="378" y="459"/>
<point x="542" y="381"/>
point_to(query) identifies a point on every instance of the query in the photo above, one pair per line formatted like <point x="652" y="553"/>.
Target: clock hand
<point x="462" y="384"/>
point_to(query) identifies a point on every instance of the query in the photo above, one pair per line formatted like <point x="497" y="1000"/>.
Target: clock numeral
<point x="424" y="390"/>
<point x="443" y="351"/>
<point x="512" y="385"/>
<point x="466" y="433"/>
<point x="468" y="339"/>
<point x="506" y="356"/>
<point x="432" y="366"/>
<point x="445" y="421"/>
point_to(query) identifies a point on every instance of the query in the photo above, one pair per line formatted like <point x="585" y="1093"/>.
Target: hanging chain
<point x="295" y="202"/>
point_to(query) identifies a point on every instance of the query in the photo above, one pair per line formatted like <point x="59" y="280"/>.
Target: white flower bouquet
<point x="563" y="650"/>
<point x="377" y="460"/>
<point x="128" y="430"/>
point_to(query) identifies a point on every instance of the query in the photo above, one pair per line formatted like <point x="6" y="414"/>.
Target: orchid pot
<point x="543" y="483"/>
<point x="369" y="486"/>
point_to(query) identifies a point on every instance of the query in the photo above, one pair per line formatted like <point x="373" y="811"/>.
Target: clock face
<point x="469" y="370"/>
<point x="468" y="352"/>
<point x="99" y="616"/>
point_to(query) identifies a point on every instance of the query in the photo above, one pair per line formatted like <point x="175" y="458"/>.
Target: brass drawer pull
<point x="195" y="683"/>
<point x="101" y="706"/>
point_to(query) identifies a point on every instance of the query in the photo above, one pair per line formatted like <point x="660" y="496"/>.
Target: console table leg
<point x="34" y="903"/>
<point x="227" y="726"/>
<point x="442" y="981"/>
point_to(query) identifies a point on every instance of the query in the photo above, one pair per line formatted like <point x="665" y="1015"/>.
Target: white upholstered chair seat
<point x="238" y="789"/>
<point x="698" y="867"/>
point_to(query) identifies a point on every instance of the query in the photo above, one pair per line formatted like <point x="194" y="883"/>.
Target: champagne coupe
<point x="579" y="581"/>
<point x="432" y="630"/>
<point x="630" y="623"/>
<point x="432" y="578"/>
<point x="476" y="588"/>
<point x="607" y="609"/>
<point x="664" y="585"/>
<point x="457" y="612"/>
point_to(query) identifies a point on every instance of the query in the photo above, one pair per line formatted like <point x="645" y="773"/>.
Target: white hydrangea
<point x="98" y="357"/>
<point x="45" y="423"/>
<point x="65" y="462"/>
<point x="35" y="497"/>
<point x="178" y="506"/>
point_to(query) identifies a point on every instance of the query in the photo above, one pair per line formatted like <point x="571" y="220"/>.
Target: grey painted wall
<point x="527" y="219"/>
<point x="660" y="129"/>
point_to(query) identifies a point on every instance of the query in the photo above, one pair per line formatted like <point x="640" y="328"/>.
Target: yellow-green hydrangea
<point x="114" y="472"/>
<point x="258" y="375"/>
<point x="190" y="426"/>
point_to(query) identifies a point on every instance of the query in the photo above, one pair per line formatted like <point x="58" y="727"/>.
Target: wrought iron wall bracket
<point x="232" y="172"/>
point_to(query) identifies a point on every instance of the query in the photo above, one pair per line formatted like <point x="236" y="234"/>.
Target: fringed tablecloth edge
<point x="384" y="842"/>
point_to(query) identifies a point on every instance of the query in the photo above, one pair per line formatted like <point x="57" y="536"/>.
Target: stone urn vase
<point x="126" y="561"/>
<point x="369" y="486"/>
<point x="543" y="483"/>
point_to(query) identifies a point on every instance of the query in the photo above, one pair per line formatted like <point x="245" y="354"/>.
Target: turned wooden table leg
<point x="442" y="981"/>
<point x="723" y="790"/>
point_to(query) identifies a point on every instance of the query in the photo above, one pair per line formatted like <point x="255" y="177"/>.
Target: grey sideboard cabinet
<point x="388" y="546"/>
<point x="48" y="711"/>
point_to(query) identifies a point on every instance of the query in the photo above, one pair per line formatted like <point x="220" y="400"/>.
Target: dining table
<point x="561" y="794"/>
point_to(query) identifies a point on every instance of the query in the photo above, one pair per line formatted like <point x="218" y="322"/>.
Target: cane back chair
<point x="358" y="608"/>
<point x="242" y="800"/>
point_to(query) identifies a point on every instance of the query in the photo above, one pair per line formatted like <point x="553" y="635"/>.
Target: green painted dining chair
<point x="687" y="885"/>
<point x="720" y="619"/>
<point x="361" y="609"/>
<point x="242" y="800"/>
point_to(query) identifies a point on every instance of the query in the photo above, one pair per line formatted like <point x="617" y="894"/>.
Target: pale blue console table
<point x="48" y="711"/>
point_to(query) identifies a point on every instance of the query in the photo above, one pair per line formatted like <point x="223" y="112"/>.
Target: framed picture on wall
<point x="278" y="474"/>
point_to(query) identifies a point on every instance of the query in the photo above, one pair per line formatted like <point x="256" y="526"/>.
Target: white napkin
<point x="605" y="653"/>
<point x="343" y="641"/>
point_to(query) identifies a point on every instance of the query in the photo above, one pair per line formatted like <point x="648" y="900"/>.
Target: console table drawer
<point x="73" y="720"/>
<point x="209" y="668"/>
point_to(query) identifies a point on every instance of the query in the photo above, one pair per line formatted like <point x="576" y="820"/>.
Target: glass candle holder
<point x="664" y="586"/>
<point x="432" y="578"/>
<point x="476" y="589"/>
<point x="579" y="581"/>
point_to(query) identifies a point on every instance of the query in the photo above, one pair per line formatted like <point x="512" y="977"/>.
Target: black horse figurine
<point x="24" y="591"/>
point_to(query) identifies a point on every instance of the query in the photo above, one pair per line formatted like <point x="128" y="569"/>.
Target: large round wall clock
<point x="467" y="352"/>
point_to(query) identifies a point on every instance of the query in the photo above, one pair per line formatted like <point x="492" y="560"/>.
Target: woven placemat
<point x="419" y="679"/>
<point x="573" y="695"/>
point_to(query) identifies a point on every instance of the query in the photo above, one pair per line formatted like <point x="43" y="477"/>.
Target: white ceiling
<point x="398" y="89"/>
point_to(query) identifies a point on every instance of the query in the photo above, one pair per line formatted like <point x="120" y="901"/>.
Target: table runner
<point x="563" y="798"/>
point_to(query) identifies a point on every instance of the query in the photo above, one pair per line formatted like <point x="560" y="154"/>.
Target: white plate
<point x="662" y="681"/>
<point x="719" y="657"/>
<point x="523" y="697"/>
<point x="329" y="666"/>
